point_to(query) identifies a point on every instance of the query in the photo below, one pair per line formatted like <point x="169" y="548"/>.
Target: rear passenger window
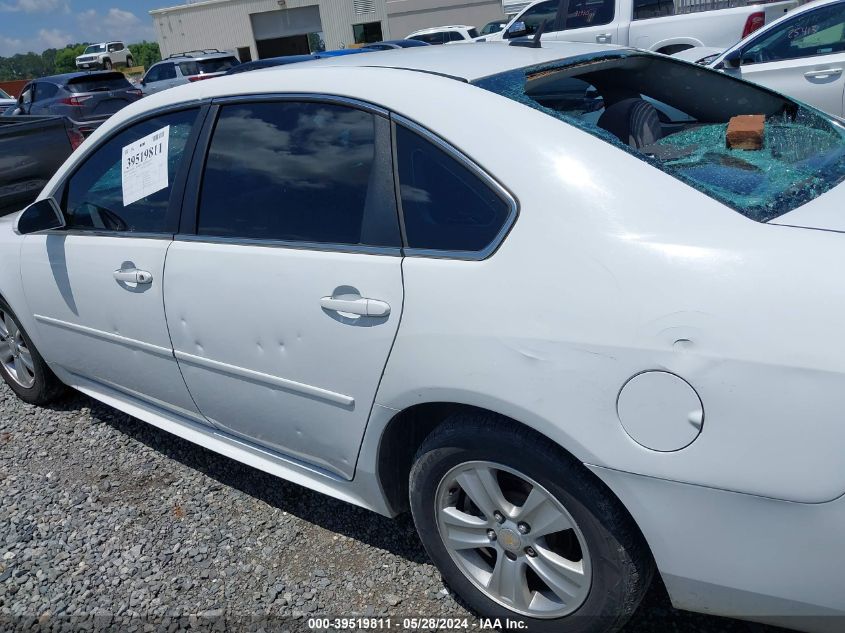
<point x="95" y="193"/>
<point x="446" y="206"/>
<point x="301" y="172"/>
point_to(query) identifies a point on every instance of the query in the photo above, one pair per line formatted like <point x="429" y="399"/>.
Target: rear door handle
<point x="133" y="276"/>
<point x="360" y="306"/>
<point x="604" y="38"/>
<point x="823" y="73"/>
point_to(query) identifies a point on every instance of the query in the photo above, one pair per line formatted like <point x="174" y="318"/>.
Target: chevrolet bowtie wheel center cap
<point x="510" y="539"/>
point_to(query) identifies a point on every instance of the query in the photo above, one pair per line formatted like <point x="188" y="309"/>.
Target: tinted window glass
<point x="218" y="65"/>
<point x="94" y="195"/>
<point x="536" y="15"/>
<point x="819" y="32"/>
<point x="446" y="206"/>
<point x="581" y="14"/>
<point x="153" y="74"/>
<point x="189" y="68"/>
<point x="455" y="36"/>
<point x="473" y="32"/>
<point x="99" y="83"/>
<point x="431" y="38"/>
<point x="168" y="71"/>
<point x="590" y="13"/>
<point x="292" y="171"/>
<point x="45" y="91"/>
<point x="644" y="9"/>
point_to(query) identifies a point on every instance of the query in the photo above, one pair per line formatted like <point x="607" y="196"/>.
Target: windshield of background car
<point x="4" y="94"/>
<point x="817" y="32"/>
<point x="96" y="48"/>
<point x="99" y="83"/>
<point x="675" y="115"/>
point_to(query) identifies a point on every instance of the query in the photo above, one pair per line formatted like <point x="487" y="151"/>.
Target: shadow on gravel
<point x="397" y="536"/>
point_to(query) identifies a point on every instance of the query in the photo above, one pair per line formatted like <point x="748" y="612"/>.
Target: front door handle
<point x="604" y="38"/>
<point x="823" y="73"/>
<point x="133" y="276"/>
<point x="356" y="305"/>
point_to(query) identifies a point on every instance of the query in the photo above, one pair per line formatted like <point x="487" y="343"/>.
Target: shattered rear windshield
<point x="676" y="115"/>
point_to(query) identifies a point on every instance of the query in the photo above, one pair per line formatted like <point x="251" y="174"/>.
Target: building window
<point x="367" y="33"/>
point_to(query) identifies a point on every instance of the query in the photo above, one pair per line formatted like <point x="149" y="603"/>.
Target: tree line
<point x="56" y="61"/>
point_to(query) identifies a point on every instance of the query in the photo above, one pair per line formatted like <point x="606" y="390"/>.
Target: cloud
<point x="46" y="38"/>
<point x="115" y="24"/>
<point x="35" y="6"/>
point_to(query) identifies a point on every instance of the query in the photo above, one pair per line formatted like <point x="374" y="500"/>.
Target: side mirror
<point x="732" y="59"/>
<point x="517" y="29"/>
<point x="44" y="215"/>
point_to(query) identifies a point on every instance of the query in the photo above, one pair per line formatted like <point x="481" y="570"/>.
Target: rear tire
<point x="107" y="65"/>
<point x="21" y="366"/>
<point x="130" y="62"/>
<point x="537" y="538"/>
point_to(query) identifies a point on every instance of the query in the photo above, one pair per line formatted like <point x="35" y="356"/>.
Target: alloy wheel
<point x="15" y="356"/>
<point x="513" y="539"/>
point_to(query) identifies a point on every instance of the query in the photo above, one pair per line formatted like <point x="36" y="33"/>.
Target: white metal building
<point x="267" y="28"/>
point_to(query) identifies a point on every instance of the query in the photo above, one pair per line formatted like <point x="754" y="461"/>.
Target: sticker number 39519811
<point x="144" y="166"/>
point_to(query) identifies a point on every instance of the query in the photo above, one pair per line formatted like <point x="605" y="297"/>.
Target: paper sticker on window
<point x="144" y="168"/>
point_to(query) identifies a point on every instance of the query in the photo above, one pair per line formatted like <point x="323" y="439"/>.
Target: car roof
<point x="198" y="55"/>
<point x="467" y="62"/>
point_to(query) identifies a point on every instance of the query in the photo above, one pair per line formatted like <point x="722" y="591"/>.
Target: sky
<point x="34" y="25"/>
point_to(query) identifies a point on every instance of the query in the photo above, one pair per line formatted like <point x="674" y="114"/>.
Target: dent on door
<point x="284" y="348"/>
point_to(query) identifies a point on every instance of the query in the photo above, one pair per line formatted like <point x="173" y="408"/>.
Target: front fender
<point x="11" y="286"/>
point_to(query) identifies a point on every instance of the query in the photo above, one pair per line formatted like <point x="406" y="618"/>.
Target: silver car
<point x="182" y="68"/>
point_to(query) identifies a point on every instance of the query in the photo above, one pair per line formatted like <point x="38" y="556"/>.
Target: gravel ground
<point x="108" y="523"/>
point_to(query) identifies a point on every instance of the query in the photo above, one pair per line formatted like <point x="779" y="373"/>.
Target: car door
<point x="95" y="288"/>
<point x="149" y="83"/>
<point x="284" y="298"/>
<point x="44" y="98"/>
<point x="803" y="58"/>
<point x="587" y="21"/>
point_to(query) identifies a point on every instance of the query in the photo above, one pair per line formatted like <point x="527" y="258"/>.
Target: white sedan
<point x="801" y="54"/>
<point x="596" y="345"/>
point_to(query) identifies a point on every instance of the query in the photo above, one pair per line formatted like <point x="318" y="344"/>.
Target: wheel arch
<point x="676" y="43"/>
<point x="407" y="430"/>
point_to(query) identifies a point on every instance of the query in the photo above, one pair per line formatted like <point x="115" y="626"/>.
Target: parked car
<point x="340" y="52"/>
<point x="105" y="56"/>
<point x="32" y="148"/>
<point x="393" y="44"/>
<point x="285" y="60"/>
<point x="444" y="34"/>
<point x="496" y="26"/>
<point x="654" y="25"/>
<point x="6" y="101"/>
<point x="87" y="98"/>
<point x="802" y="54"/>
<point x="269" y="62"/>
<point x="619" y="352"/>
<point x="182" y="68"/>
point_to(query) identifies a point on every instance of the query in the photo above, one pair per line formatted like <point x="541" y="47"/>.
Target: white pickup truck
<point x="666" y="26"/>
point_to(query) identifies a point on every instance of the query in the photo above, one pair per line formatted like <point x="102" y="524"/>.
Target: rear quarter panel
<point x="614" y="268"/>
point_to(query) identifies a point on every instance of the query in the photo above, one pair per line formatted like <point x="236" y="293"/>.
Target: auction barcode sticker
<point x="144" y="169"/>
